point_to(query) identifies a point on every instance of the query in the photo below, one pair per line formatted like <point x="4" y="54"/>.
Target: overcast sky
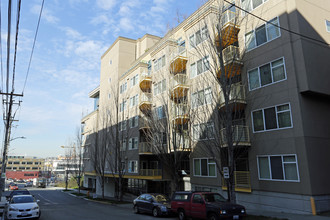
<point x="73" y="34"/>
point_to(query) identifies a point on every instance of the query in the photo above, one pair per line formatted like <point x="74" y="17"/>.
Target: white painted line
<point x="46" y="199"/>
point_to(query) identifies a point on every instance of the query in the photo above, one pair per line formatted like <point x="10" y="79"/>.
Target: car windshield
<point x="161" y="198"/>
<point x="213" y="198"/>
<point x="22" y="199"/>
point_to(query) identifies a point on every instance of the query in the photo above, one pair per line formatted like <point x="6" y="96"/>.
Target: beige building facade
<point x="278" y="49"/>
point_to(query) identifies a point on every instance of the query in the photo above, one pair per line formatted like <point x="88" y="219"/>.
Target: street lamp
<point x="17" y="138"/>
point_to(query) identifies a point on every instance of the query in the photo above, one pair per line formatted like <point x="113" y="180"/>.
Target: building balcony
<point x="184" y="145"/>
<point x="150" y="172"/>
<point x="144" y="123"/>
<point x="237" y="98"/>
<point x="145" y="102"/>
<point x="145" y="148"/>
<point x="232" y="62"/>
<point x="178" y="61"/>
<point x="227" y="33"/>
<point x="180" y="113"/>
<point x="242" y="181"/>
<point x="179" y="86"/>
<point x="240" y="136"/>
<point x="145" y="81"/>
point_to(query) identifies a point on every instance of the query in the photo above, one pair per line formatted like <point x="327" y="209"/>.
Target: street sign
<point x="226" y="172"/>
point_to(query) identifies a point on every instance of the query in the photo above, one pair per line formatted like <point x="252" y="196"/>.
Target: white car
<point x="22" y="207"/>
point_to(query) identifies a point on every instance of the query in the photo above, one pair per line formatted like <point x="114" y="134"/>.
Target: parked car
<point x="22" y="207"/>
<point x="205" y="205"/>
<point x="154" y="203"/>
<point x="29" y="184"/>
<point x="18" y="192"/>
<point x="13" y="186"/>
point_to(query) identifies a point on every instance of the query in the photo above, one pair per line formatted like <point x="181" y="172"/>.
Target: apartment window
<point x="250" y="5"/>
<point x="132" y="166"/>
<point x="134" y="100"/>
<point x="134" y="80"/>
<point x="122" y="125"/>
<point x="267" y="74"/>
<point x="160" y="112"/>
<point x="160" y="87"/>
<point x="201" y="97"/>
<point x="23" y="162"/>
<point x="36" y="163"/>
<point x="203" y="131"/>
<point x="327" y="24"/>
<point x="199" y="67"/>
<point x="123" y="87"/>
<point x="16" y="162"/>
<point x="279" y="167"/>
<point x="21" y="168"/>
<point x="10" y="162"/>
<point x="277" y="117"/>
<point x="122" y="106"/>
<point x="133" y="143"/>
<point x="204" y="167"/>
<point x="198" y="37"/>
<point x="159" y="63"/>
<point x="109" y="95"/>
<point x="262" y="34"/>
<point x="134" y="122"/>
<point x="123" y="144"/>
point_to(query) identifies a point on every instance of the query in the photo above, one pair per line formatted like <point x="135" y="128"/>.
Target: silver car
<point x="22" y="207"/>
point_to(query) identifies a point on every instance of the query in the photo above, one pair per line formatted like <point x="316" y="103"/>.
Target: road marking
<point x="46" y="199"/>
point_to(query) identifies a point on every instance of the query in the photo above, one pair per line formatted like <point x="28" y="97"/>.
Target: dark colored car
<point x="205" y="205"/>
<point x="18" y="192"/>
<point x="154" y="203"/>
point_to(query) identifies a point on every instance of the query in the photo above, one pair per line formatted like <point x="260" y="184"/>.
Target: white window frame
<point x="192" y="38"/>
<point x="327" y="27"/>
<point x="199" y="131"/>
<point x="276" y="114"/>
<point x="194" y="101"/>
<point x="195" y="68"/>
<point x="200" y="168"/>
<point x="255" y="38"/>
<point x="283" y="170"/>
<point x="271" y="69"/>
<point x="135" y="166"/>
<point x="251" y="5"/>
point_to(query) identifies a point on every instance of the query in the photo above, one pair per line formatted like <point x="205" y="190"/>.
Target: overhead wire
<point x="16" y="40"/>
<point x="34" y="42"/>
<point x="275" y="25"/>
<point x="1" y="49"/>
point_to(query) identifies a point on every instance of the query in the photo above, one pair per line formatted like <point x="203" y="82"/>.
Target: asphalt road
<point x="55" y="204"/>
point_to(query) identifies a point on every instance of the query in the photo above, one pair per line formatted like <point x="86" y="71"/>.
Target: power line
<point x="8" y="46"/>
<point x="275" y="25"/>
<point x="34" y="42"/>
<point x="16" y="39"/>
<point x="1" y="50"/>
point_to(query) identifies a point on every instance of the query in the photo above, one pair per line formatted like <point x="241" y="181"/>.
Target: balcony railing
<point x="145" y="148"/>
<point x="229" y="17"/>
<point x="242" y="181"/>
<point x="150" y="172"/>
<point x="231" y="54"/>
<point x="236" y="95"/>
<point x="145" y="97"/>
<point x="240" y="135"/>
<point x="178" y="61"/>
<point x="180" y="110"/>
<point x="145" y="81"/>
<point x="144" y="123"/>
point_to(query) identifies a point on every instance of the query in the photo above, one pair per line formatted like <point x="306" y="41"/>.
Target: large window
<point x="160" y="112"/>
<point x="250" y="5"/>
<point x="160" y="87"/>
<point x="133" y="143"/>
<point x="134" y="80"/>
<point x="123" y="87"/>
<point x="122" y="125"/>
<point x="201" y="97"/>
<point x="262" y="34"/>
<point x="277" y="117"/>
<point x="199" y="67"/>
<point x="132" y="166"/>
<point x="159" y="63"/>
<point x="122" y="106"/>
<point x="279" y="167"/>
<point x="267" y="74"/>
<point x="204" y="167"/>
<point x="327" y="24"/>
<point x="134" y="100"/>
<point x="198" y="37"/>
<point x="204" y="131"/>
<point x="134" y="122"/>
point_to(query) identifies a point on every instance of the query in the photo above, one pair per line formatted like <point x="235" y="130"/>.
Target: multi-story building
<point x="278" y="51"/>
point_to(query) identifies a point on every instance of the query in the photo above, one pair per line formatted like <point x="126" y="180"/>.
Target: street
<point x="55" y="204"/>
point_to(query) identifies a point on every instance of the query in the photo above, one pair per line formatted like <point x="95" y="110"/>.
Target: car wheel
<point x="182" y="215"/>
<point x="212" y="216"/>
<point x="136" y="209"/>
<point x="155" y="212"/>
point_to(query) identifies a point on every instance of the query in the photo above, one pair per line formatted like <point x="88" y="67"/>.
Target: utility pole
<point x="8" y="120"/>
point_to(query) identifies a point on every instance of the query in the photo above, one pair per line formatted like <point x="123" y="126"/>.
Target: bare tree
<point x="218" y="52"/>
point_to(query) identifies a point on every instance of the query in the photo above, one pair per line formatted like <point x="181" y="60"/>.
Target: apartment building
<point x="276" y="57"/>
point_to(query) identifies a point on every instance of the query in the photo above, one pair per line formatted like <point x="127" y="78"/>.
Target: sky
<point x="65" y="67"/>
